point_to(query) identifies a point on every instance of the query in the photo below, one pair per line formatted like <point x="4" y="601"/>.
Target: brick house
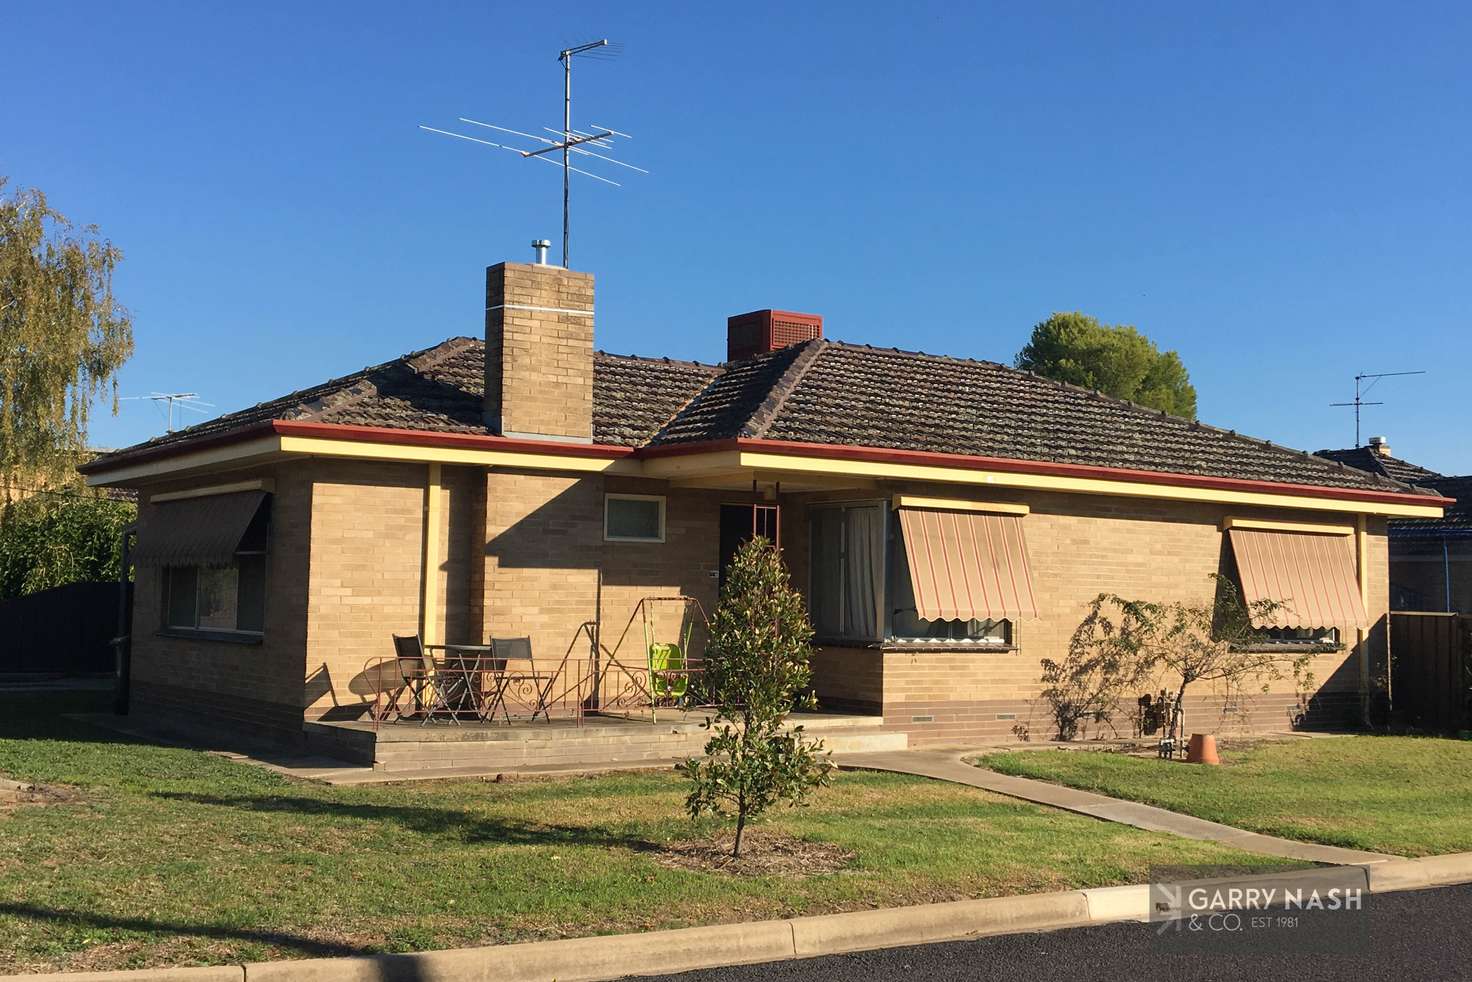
<point x="948" y="519"/>
<point x="1430" y="558"/>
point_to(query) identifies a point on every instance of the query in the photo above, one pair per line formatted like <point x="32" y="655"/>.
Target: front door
<point x="737" y="525"/>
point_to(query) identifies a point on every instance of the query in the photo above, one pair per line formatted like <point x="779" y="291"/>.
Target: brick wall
<point x="1080" y="546"/>
<point x="544" y="550"/>
<point x="539" y="362"/>
<point x="254" y="686"/>
<point x="366" y="558"/>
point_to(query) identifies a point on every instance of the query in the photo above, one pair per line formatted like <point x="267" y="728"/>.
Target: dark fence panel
<point x="1429" y="684"/>
<point x="62" y="630"/>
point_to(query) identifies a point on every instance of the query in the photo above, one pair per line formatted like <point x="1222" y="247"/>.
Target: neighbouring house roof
<point x="822" y="392"/>
<point x="1372" y="460"/>
<point x="1458" y="517"/>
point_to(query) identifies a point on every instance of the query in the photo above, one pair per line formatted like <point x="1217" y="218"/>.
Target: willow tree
<point x="63" y="337"/>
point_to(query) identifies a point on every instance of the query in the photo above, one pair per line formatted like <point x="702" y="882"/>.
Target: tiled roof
<point x="634" y="397"/>
<point x="1370" y="459"/>
<point x="817" y="392"/>
<point x="440" y="389"/>
<point x="830" y="392"/>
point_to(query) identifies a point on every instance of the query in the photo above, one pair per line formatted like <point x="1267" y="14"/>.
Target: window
<point x="633" y="518"/>
<point x="905" y="623"/>
<point x="846" y="591"/>
<point x="221" y="599"/>
<point x="860" y="587"/>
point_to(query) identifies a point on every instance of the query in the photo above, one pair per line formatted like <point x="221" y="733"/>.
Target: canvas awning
<point x="1311" y="574"/>
<point x="967" y="565"/>
<point x="203" y="531"/>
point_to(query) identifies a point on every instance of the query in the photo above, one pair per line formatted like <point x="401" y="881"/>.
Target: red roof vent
<point x="761" y="331"/>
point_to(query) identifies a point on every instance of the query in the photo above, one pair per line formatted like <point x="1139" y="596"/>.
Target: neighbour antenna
<point x="185" y="400"/>
<point x="572" y="142"/>
<point x="1360" y="393"/>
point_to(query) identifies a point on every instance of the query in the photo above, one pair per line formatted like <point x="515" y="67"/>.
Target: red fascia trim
<point x="130" y="457"/>
<point x="463" y="441"/>
<point x="884" y="455"/>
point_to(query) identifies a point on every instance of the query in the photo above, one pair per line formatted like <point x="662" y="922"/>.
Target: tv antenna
<point x="572" y="142"/>
<point x="1361" y="390"/>
<point x="184" y="400"/>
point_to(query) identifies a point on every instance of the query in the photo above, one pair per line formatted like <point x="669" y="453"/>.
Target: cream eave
<point x="774" y="465"/>
<point x="256" y="450"/>
<point x="471" y="456"/>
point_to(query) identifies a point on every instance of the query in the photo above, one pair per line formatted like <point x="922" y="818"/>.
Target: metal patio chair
<point x="435" y="693"/>
<point x="516" y="680"/>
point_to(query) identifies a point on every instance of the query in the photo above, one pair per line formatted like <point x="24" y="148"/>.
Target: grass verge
<point x="1410" y="796"/>
<point x="172" y="857"/>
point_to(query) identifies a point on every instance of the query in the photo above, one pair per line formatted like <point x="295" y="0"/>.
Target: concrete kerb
<point x="687" y="949"/>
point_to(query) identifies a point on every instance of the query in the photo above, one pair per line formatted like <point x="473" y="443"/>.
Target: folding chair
<point x="433" y="694"/>
<point x="517" y="679"/>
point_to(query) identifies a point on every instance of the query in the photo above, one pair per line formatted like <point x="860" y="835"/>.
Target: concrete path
<point x="948" y="765"/>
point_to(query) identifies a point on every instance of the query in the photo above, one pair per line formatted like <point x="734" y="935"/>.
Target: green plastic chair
<point x="667" y="657"/>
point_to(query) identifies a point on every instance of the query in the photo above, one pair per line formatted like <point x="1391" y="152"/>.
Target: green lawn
<point x="1410" y="796"/>
<point x="177" y="857"/>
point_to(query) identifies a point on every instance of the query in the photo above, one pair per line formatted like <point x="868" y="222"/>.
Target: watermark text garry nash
<point x="1294" y="912"/>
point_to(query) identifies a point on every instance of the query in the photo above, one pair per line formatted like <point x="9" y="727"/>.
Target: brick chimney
<point x="539" y="352"/>
<point x="1380" y="446"/>
<point x="761" y="331"/>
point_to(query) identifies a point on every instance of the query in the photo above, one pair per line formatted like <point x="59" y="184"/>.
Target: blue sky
<point x="1280" y="192"/>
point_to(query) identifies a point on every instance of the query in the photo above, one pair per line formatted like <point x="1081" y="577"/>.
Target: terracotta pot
<point x="1202" y="749"/>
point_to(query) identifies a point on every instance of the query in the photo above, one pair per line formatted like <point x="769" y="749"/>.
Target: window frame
<point x="881" y="600"/>
<point x="611" y="496"/>
<point x="235" y="634"/>
<point x="892" y="551"/>
<point x="883" y="631"/>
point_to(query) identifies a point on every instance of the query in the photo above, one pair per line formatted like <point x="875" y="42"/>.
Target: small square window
<point x="633" y="518"/>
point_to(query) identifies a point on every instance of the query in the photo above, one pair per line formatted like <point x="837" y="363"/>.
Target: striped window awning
<point x="1312" y="574"/>
<point x="967" y="565"/>
<point x="204" y="531"/>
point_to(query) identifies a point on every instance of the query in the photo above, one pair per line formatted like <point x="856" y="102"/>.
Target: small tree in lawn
<point x="1211" y="641"/>
<point x="756" y="666"/>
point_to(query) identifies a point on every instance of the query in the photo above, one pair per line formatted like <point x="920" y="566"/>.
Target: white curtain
<point x="863" y="568"/>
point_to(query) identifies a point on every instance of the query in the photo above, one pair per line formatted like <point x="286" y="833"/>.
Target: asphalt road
<point x="1404" y="937"/>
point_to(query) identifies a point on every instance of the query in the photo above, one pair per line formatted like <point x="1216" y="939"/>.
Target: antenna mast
<point x="1360" y="393"/>
<point x="185" y="400"/>
<point x="572" y="141"/>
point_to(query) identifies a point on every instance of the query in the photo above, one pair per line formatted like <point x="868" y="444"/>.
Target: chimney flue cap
<point x="541" y="246"/>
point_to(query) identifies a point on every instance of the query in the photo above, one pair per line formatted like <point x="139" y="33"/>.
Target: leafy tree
<point x="1201" y="642"/>
<point x="1115" y="359"/>
<point x="49" y="540"/>
<point x="62" y="336"/>
<point x="756" y="666"/>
